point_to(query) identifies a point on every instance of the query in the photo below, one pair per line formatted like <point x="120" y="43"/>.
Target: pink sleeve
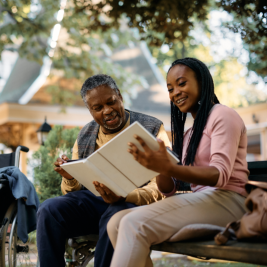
<point x="226" y="131"/>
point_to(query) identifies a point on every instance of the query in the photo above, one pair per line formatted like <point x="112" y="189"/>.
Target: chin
<point x="115" y="127"/>
<point x="180" y="108"/>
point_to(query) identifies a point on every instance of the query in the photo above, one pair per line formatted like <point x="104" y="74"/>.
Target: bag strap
<point x="223" y="237"/>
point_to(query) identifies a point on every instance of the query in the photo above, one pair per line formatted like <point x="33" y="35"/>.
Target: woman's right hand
<point x="59" y="170"/>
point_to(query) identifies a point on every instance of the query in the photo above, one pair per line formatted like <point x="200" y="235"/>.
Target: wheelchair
<point x="82" y="250"/>
<point x="13" y="252"/>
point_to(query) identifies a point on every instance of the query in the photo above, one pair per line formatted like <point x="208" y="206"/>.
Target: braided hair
<point x="178" y="118"/>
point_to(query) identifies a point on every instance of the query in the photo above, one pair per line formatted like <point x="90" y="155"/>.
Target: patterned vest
<point x="87" y="137"/>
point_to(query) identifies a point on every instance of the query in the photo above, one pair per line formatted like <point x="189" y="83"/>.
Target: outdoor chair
<point x="13" y="252"/>
<point x="247" y="252"/>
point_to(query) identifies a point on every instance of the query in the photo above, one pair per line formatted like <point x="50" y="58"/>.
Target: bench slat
<point x="254" y="253"/>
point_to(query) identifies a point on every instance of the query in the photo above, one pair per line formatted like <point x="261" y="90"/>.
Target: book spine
<point x="117" y="169"/>
<point x="108" y="182"/>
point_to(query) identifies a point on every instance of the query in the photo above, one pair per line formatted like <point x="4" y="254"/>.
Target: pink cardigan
<point x="224" y="146"/>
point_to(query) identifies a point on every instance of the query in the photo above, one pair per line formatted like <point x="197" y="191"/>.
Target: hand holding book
<point x="112" y="166"/>
<point x="153" y="160"/>
<point x="58" y="168"/>
<point x="108" y="196"/>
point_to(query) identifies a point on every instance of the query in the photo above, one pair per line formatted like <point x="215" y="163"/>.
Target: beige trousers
<point x="133" y="231"/>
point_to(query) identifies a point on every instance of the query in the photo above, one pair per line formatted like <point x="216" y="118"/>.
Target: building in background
<point x="24" y="103"/>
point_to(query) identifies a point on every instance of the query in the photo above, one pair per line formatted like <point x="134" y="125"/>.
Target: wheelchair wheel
<point x="13" y="251"/>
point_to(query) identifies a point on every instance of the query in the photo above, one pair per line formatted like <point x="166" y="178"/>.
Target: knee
<point x="113" y="226"/>
<point x="48" y="208"/>
<point x="134" y="225"/>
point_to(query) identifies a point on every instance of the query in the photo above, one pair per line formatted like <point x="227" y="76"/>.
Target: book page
<point x="84" y="175"/>
<point x="116" y="153"/>
<point x="116" y="181"/>
<point x="85" y="172"/>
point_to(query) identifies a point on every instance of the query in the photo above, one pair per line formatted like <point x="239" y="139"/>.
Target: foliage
<point x="231" y="87"/>
<point x="81" y="51"/>
<point x="46" y="180"/>
<point x="250" y="20"/>
<point x="156" y="20"/>
<point x="24" y="28"/>
<point x="89" y="24"/>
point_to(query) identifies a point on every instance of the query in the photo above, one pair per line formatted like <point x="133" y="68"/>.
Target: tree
<point x="158" y="21"/>
<point x="250" y="20"/>
<point x="46" y="180"/>
<point x="81" y="51"/>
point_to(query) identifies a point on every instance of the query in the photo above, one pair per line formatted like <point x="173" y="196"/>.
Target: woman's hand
<point x="108" y="196"/>
<point x="154" y="160"/>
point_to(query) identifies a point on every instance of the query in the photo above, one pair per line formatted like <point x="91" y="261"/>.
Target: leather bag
<point x="253" y="225"/>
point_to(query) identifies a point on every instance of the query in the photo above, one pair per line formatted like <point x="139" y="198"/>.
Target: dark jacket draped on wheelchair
<point x="28" y="202"/>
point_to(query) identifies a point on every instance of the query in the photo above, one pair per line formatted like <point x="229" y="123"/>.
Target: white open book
<point x="114" y="166"/>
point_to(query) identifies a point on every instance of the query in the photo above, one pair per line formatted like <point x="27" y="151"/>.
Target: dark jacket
<point x="28" y="202"/>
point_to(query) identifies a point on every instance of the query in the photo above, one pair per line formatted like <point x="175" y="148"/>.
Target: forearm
<point x="194" y="174"/>
<point x="69" y="186"/>
<point x="165" y="183"/>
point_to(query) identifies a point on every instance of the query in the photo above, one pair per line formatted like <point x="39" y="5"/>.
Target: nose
<point x="107" y="110"/>
<point x="176" y="92"/>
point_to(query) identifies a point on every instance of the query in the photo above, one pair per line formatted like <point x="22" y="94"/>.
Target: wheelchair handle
<point x="19" y="148"/>
<point x="23" y="148"/>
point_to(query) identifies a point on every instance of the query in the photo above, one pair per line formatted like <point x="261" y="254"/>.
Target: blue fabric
<point x="22" y="189"/>
<point x="72" y="215"/>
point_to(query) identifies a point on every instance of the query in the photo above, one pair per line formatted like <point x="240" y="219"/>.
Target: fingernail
<point x="135" y="136"/>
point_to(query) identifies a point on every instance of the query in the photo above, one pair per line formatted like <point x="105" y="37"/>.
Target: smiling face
<point x="184" y="89"/>
<point x="107" y="109"/>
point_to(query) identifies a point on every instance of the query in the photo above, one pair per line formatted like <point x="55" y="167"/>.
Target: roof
<point x="137" y="60"/>
<point x="22" y="76"/>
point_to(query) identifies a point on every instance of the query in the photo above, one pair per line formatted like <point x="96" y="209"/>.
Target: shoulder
<point x="89" y="128"/>
<point x="223" y="113"/>
<point x="223" y="116"/>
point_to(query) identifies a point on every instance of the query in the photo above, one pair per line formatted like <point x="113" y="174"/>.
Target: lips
<point x="180" y="101"/>
<point x="111" y="120"/>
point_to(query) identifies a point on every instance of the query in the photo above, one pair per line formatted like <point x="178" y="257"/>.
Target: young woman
<point x="213" y="157"/>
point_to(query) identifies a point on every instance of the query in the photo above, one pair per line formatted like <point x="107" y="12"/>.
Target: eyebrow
<point x="176" y="80"/>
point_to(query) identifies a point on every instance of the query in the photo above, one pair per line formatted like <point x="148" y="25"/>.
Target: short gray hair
<point x="95" y="81"/>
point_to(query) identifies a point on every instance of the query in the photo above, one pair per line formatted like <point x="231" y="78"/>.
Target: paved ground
<point x="175" y="260"/>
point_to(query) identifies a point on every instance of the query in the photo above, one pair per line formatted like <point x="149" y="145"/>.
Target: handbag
<point x="253" y="225"/>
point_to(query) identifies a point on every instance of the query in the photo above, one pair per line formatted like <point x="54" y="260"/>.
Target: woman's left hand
<point x="154" y="160"/>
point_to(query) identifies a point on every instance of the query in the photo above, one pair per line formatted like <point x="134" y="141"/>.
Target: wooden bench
<point x="247" y="252"/>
